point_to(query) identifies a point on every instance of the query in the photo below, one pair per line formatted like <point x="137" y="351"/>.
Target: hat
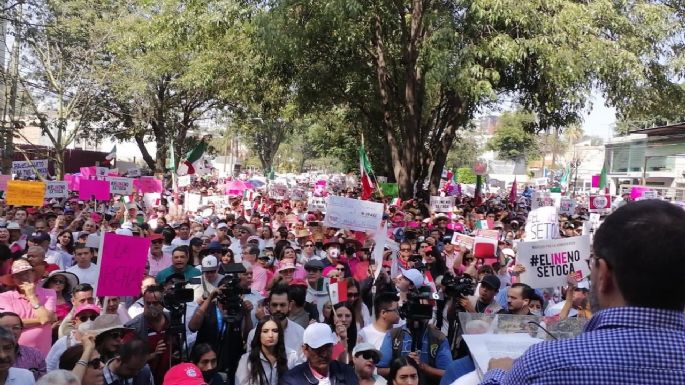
<point x="195" y="241"/>
<point x="104" y="323"/>
<point x="123" y="231"/>
<point x="313" y="264"/>
<point x="214" y="246"/>
<point x="508" y="252"/>
<point x="221" y="225"/>
<point x="68" y="210"/>
<point x="184" y="374"/>
<point x="246" y="228"/>
<point x="492" y="281"/>
<point x="20" y="266"/>
<point x="210" y="263"/>
<point x="155" y="236"/>
<point x="87" y="307"/>
<point x="13" y="226"/>
<point x="365" y="347"/>
<point x="39" y="236"/>
<point x="414" y="276"/>
<point x="317" y="335"/>
<point x="583" y="284"/>
<point x="71" y="278"/>
<point x="285" y="265"/>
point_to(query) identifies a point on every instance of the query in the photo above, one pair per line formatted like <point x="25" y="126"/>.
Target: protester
<point x="386" y="310"/>
<point x="205" y="358"/>
<point x="179" y="264"/>
<point x="84" y="269"/>
<point x="404" y="371"/>
<point x="83" y="315"/>
<point x="129" y="365"/>
<point x="8" y="355"/>
<point x="365" y="357"/>
<point x="81" y="294"/>
<point x="83" y="361"/>
<point x="27" y="357"/>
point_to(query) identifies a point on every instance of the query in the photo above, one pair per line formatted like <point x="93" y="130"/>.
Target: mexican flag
<point x="194" y="161"/>
<point x="111" y="157"/>
<point x="365" y="171"/>
<point x="603" y="179"/>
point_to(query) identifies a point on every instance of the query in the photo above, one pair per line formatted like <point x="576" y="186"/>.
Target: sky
<point x="599" y="119"/>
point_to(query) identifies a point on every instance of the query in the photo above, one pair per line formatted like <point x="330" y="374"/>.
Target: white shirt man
<point x="84" y="269"/>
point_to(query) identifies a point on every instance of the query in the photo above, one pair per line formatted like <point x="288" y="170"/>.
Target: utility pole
<point x="10" y="119"/>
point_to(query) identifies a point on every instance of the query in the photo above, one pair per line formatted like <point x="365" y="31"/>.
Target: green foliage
<point x="464" y="152"/>
<point x="513" y="139"/>
<point x="466" y="175"/>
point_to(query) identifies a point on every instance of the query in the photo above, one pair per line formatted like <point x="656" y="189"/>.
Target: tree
<point x="417" y="71"/>
<point x="464" y="152"/>
<point x="513" y="139"/>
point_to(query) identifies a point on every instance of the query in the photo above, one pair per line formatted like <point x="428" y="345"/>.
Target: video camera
<point x="177" y="296"/>
<point x="230" y="292"/>
<point x="458" y="287"/>
<point x="412" y="309"/>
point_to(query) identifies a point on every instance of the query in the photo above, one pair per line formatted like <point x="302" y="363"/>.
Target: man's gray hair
<point x="59" y="377"/>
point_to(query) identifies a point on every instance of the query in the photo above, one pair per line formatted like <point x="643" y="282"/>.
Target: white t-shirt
<point x="88" y="275"/>
<point x="372" y="335"/>
<point x="18" y="376"/>
<point x="180" y="242"/>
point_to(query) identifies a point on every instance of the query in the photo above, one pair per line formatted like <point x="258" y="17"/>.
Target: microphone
<point x="545" y="330"/>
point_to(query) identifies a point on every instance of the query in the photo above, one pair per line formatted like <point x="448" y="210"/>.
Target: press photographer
<point x="223" y="320"/>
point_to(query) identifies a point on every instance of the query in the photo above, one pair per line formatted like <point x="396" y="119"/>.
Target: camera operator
<point x="223" y="320"/>
<point x="417" y="340"/>
<point x="485" y="302"/>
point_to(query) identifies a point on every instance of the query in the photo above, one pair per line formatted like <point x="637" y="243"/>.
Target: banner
<point x="549" y="262"/>
<point x="600" y="203"/>
<point x="93" y="189"/>
<point x="25" y="169"/>
<point x="567" y="206"/>
<point x="390" y="189"/>
<point x="316" y="204"/>
<point x="23" y="193"/>
<point x="442" y="204"/>
<point x="353" y="214"/>
<point x="542" y="223"/>
<point x="120" y="185"/>
<point x="148" y="184"/>
<point x="541" y="199"/>
<point x="3" y="181"/>
<point x="56" y="189"/>
<point x="123" y="260"/>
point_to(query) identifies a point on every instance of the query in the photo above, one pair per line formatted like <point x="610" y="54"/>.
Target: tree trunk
<point x="140" y="141"/>
<point x="59" y="164"/>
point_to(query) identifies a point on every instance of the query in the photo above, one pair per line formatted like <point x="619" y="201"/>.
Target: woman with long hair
<point x="268" y="358"/>
<point x="404" y="371"/>
<point x="195" y="252"/>
<point x="267" y="236"/>
<point x="345" y="327"/>
<point x="204" y="357"/>
<point x="361" y="312"/>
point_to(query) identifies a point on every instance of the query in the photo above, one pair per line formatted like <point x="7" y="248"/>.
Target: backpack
<point x="435" y="338"/>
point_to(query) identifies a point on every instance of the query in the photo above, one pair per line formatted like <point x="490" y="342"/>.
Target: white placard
<point x="542" y="223"/>
<point x="56" y="189"/>
<point x="120" y="185"/>
<point x="298" y="195"/>
<point x="133" y="172"/>
<point x="353" y="214"/>
<point x="442" y="204"/>
<point x="101" y="171"/>
<point x="183" y="181"/>
<point x="650" y="194"/>
<point x="316" y="203"/>
<point x="192" y="202"/>
<point x="25" y="169"/>
<point x="549" y="262"/>
<point x="567" y="206"/>
<point x="152" y="199"/>
<point x="541" y="199"/>
<point x="278" y="191"/>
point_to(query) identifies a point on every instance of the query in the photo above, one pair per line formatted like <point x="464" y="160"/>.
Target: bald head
<point x="35" y="255"/>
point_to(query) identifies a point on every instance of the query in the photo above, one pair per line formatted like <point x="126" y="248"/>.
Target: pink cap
<point x="86" y="307"/>
<point x="184" y="374"/>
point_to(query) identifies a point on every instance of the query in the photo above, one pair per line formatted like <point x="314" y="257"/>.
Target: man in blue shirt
<point x="637" y="333"/>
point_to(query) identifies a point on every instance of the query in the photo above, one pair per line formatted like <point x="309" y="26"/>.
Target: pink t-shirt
<point x="260" y="278"/>
<point x="40" y="336"/>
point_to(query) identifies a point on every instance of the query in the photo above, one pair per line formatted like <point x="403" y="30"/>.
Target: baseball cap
<point x="317" y="335"/>
<point x="221" y="226"/>
<point x="13" y="226"/>
<point x="210" y="263"/>
<point x="365" y="347"/>
<point x="313" y="264"/>
<point x="491" y="281"/>
<point x="509" y="252"/>
<point x="414" y="276"/>
<point x="39" y="236"/>
<point x="86" y="307"/>
<point x="184" y="374"/>
<point x="214" y="246"/>
<point x="286" y="264"/>
<point x="20" y="265"/>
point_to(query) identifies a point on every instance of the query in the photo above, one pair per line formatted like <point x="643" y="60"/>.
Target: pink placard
<point x="636" y="192"/>
<point x="73" y="180"/>
<point x="87" y="172"/>
<point x="595" y="181"/>
<point x="148" y="184"/>
<point x="94" y="188"/>
<point x="123" y="264"/>
<point x="3" y="181"/>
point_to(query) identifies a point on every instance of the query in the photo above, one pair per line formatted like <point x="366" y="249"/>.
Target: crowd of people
<point x="239" y="292"/>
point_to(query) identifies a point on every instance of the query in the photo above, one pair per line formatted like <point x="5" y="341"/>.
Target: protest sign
<point x="549" y="262"/>
<point x="192" y="201"/>
<point x="101" y="171"/>
<point x="133" y="172"/>
<point x="442" y="204"/>
<point x="183" y="181"/>
<point x="56" y="189"/>
<point x="353" y="214"/>
<point x="487" y="233"/>
<point x="73" y="181"/>
<point x="484" y="247"/>
<point x="23" y="193"/>
<point x="93" y="189"/>
<point x="600" y="203"/>
<point x="278" y="191"/>
<point x="650" y="194"/>
<point x="152" y="199"/>
<point x="462" y="240"/>
<point x="121" y="265"/>
<point x="3" y="181"/>
<point x="542" y="223"/>
<point x="637" y="191"/>
<point x="148" y="184"/>
<point x="298" y="195"/>
<point x="541" y="181"/>
<point x="120" y="185"/>
<point x="320" y="188"/>
<point x="28" y="169"/>
<point x="541" y="199"/>
<point x="567" y="206"/>
<point x="87" y="172"/>
<point x="316" y="204"/>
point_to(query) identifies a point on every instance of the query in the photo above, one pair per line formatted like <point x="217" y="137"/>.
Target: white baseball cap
<point x="210" y="263"/>
<point x="414" y="276"/>
<point x="317" y="335"/>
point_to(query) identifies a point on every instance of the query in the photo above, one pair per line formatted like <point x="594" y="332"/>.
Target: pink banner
<point x="73" y="180"/>
<point x="148" y="184"/>
<point x="636" y="192"/>
<point x="3" y="181"/>
<point x="87" y="172"/>
<point x="123" y="262"/>
<point x="595" y="181"/>
<point x="98" y="189"/>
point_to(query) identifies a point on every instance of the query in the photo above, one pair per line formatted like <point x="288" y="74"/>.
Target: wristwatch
<point x="36" y="306"/>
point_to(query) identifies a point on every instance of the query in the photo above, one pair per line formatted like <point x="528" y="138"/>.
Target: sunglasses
<point x="58" y="281"/>
<point x="96" y="363"/>
<point x="84" y="318"/>
<point x="115" y="334"/>
<point x="308" y="245"/>
<point x="369" y="355"/>
<point x="405" y="249"/>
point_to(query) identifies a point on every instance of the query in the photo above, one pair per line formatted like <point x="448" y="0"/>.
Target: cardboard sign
<point x="27" y="169"/>
<point x="94" y="189"/>
<point x="541" y="199"/>
<point x="183" y="181"/>
<point x="278" y="192"/>
<point x="316" y="204"/>
<point x="484" y="247"/>
<point x="549" y="262"/>
<point x="567" y="206"/>
<point x="122" y="261"/>
<point x="56" y="189"/>
<point x="650" y="194"/>
<point x="442" y="204"/>
<point x="192" y="201"/>
<point x="24" y="193"/>
<point x="120" y="185"/>
<point x="463" y="241"/>
<point x="353" y="214"/>
<point x="298" y="195"/>
<point x="542" y="223"/>
<point x="3" y="181"/>
<point x="600" y="203"/>
<point x="152" y="199"/>
<point x="73" y="181"/>
<point x="148" y="184"/>
<point x="87" y="172"/>
<point x="133" y="172"/>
